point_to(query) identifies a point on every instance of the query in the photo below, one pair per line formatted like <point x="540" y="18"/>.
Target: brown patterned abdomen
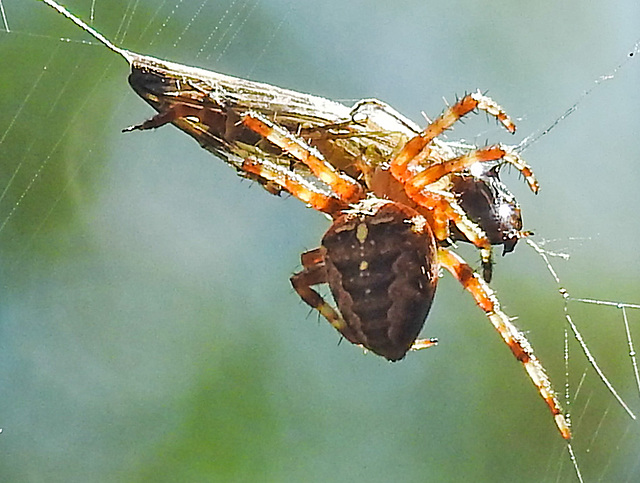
<point x="382" y="271"/>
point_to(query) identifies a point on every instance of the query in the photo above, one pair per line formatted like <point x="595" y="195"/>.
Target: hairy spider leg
<point x="314" y="273"/>
<point x="416" y="151"/>
<point x="433" y="172"/>
<point x="444" y="209"/>
<point x="294" y="184"/>
<point x="348" y="189"/>
<point x="516" y="340"/>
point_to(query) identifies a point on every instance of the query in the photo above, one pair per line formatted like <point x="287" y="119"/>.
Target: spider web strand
<point x="574" y="462"/>
<point x="533" y="138"/>
<point x="576" y="332"/>
<point x="4" y="17"/>
<point x="632" y="351"/>
<point x="622" y="306"/>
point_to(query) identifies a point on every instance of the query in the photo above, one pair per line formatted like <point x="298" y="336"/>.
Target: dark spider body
<point x="379" y="267"/>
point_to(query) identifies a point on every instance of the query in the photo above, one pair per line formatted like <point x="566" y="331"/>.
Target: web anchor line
<point x="529" y="140"/>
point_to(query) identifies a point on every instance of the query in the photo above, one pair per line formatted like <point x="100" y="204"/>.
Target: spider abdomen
<point x="382" y="271"/>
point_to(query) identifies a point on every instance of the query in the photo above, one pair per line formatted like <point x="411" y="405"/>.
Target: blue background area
<point x="148" y="331"/>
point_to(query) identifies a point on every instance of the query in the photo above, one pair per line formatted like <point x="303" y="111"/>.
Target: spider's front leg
<point x="417" y="151"/>
<point x="516" y="340"/>
<point x="419" y="144"/>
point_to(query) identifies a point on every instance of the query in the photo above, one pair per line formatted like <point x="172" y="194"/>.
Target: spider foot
<point x="420" y="344"/>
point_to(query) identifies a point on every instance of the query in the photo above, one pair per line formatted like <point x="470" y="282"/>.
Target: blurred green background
<point x="148" y="331"/>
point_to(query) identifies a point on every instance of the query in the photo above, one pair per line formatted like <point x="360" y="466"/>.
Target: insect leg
<point x="174" y="112"/>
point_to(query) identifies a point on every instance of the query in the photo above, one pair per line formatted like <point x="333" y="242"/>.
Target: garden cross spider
<point x="382" y="253"/>
<point x="393" y="211"/>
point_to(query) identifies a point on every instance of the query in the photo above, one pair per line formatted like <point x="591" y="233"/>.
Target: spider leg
<point x="516" y="340"/>
<point x="314" y="274"/>
<point x="444" y="209"/>
<point x="435" y="171"/>
<point x="420" y="344"/>
<point x="416" y="150"/>
<point x="293" y="183"/>
<point x="344" y="186"/>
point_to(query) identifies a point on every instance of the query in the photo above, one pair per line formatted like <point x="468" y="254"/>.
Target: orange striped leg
<point x="520" y="164"/>
<point x="517" y="342"/>
<point x="314" y="273"/>
<point x="416" y="150"/>
<point x="490" y="153"/>
<point x="443" y="210"/>
<point x="344" y="186"/>
<point x="294" y="184"/>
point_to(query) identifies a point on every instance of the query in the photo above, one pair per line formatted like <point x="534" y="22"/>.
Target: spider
<point x="392" y="211"/>
<point x="387" y="241"/>
<point x="399" y="188"/>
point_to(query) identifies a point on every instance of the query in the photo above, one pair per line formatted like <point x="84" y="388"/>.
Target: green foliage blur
<point x="148" y="331"/>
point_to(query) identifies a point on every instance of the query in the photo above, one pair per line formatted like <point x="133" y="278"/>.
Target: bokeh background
<point x="148" y="331"/>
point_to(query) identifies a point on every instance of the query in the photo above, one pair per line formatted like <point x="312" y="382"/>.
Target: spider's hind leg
<point x="516" y="340"/>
